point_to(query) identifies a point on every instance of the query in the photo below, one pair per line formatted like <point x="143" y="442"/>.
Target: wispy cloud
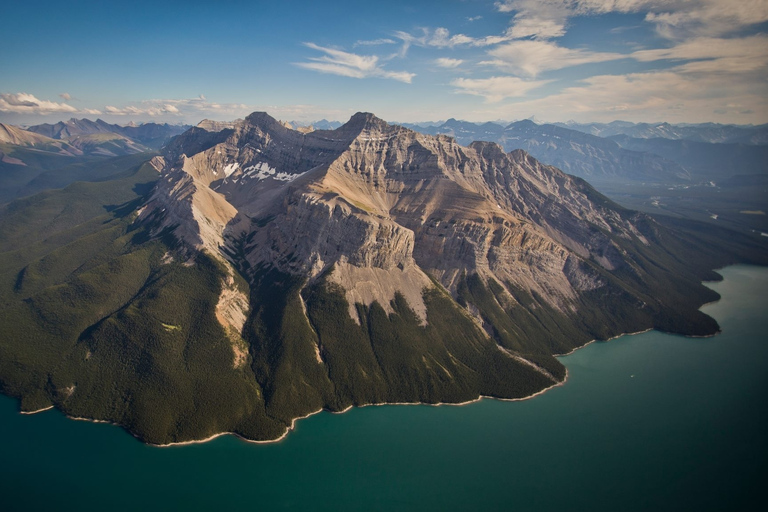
<point x="25" y="103"/>
<point x="338" y="62"/>
<point x="650" y="96"/>
<point x="531" y="57"/>
<point x="445" y="62"/>
<point x="375" y="42"/>
<point x="65" y="96"/>
<point x="714" y="55"/>
<point x="540" y="19"/>
<point x="497" y="88"/>
<point x="187" y="108"/>
<point x="474" y="18"/>
<point x="151" y="111"/>
<point x="442" y="38"/>
<point x="546" y="19"/>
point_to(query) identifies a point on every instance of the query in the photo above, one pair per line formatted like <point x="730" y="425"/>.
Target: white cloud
<point x="192" y="110"/>
<point x="338" y="62"/>
<point x="65" y="96"/>
<point x="375" y="42"/>
<point x="714" y="55"/>
<point x="497" y="88"/>
<point x="25" y="103"/>
<point x="531" y="57"/>
<point x="541" y="19"/>
<point x="442" y="38"/>
<point x="544" y="19"/>
<point x="146" y="109"/>
<point x="188" y="108"/>
<point x="539" y="28"/>
<point x="651" y="96"/>
<point x="474" y="18"/>
<point x="445" y="62"/>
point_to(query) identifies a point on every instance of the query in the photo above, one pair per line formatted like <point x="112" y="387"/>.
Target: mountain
<point x="675" y="177"/>
<point x="54" y="155"/>
<point x="587" y="156"/>
<point x="111" y="139"/>
<point x="71" y="128"/>
<point x="255" y="274"/>
<point x="706" y="132"/>
<point x="16" y="136"/>
<point x="323" y="124"/>
<point x="30" y="162"/>
<point x="706" y="160"/>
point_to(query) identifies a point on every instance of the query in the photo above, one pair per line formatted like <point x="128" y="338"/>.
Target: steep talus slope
<point x="270" y="273"/>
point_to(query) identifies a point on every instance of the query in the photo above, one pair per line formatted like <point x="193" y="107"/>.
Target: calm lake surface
<point x="645" y="422"/>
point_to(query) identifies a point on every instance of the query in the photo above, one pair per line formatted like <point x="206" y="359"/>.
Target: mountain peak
<point x="364" y="120"/>
<point x="262" y="120"/>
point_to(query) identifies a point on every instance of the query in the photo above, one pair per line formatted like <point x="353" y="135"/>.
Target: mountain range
<point x="252" y="274"/>
<point x="52" y="155"/>
<point x="705" y="132"/>
<point x="626" y="152"/>
<point x="100" y="137"/>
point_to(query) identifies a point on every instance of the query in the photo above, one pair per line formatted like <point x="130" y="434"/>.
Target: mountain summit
<point x="270" y="273"/>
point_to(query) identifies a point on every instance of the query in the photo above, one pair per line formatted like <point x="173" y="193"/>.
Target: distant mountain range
<point x="580" y="154"/>
<point x="53" y="155"/>
<point x="100" y="137"/>
<point x="706" y="132"/>
<point x="621" y="157"/>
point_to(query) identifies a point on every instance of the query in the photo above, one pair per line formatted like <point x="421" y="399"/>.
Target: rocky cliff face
<point x="380" y="210"/>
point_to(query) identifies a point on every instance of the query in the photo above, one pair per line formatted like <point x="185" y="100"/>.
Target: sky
<point x="680" y="61"/>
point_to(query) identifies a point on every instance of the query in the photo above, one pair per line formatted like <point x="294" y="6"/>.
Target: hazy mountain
<point x="31" y="162"/>
<point x="255" y="274"/>
<point x="715" y="161"/>
<point x="324" y="124"/>
<point x="587" y="156"/>
<point x="706" y="132"/>
<point x="123" y="139"/>
<point x="13" y="135"/>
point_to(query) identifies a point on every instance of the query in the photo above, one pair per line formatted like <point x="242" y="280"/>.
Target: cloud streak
<point x="445" y="62"/>
<point x="547" y="19"/>
<point x="497" y="88"/>
<point x="338" y="62"/>
<point x="531" y="57"/>
<point x="375" y="42"/>
<point x="649" y="96"/>
<point x="25" y="103"/>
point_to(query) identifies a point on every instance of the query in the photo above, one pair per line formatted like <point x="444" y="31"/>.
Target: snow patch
<point x="262" y="171"/>
<point x="230" y="168"/>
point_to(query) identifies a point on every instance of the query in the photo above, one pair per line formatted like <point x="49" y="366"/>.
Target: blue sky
<point x="407" y="61"/>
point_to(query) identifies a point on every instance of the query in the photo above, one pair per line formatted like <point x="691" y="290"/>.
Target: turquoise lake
<point x="644" y="422"/>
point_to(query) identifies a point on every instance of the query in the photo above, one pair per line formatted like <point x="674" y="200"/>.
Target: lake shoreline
<point x="292" y="426"/>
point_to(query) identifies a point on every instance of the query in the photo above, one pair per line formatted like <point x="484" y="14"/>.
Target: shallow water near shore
<point x="650" y="421"/>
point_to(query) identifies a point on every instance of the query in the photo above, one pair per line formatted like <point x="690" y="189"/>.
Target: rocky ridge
<point x="381" y="210"/>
